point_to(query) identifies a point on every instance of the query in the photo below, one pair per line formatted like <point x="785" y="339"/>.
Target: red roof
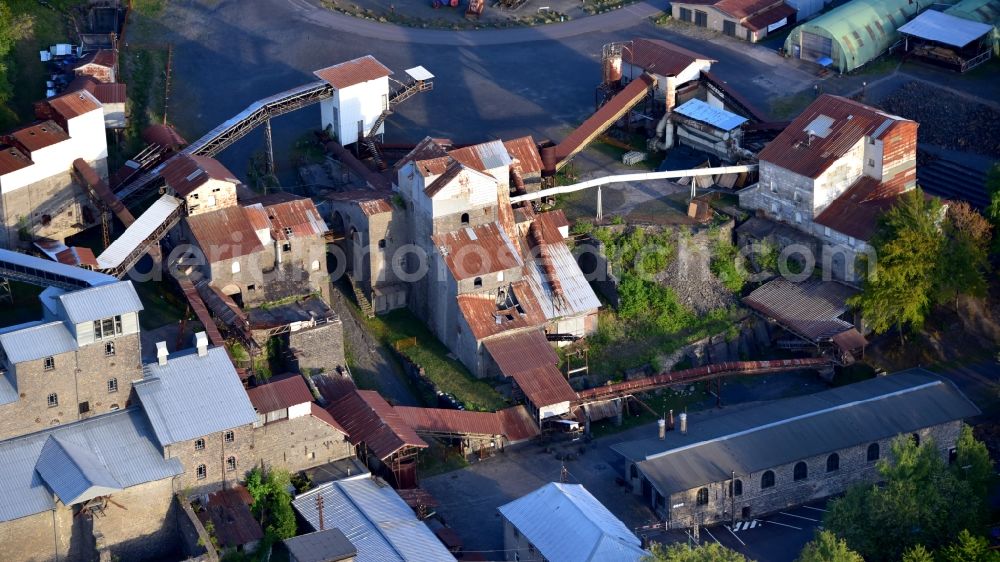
<point x="77" y="255"/>
<point x="765" y="18"/>
<point x="103" y="57"/>
<point x="74" y="104"/>
<point x="12" y="160"/>
<point x="660" y="57"/>
<point x="440" y="420"/>
<point x="370" y="202"/>
<point x="185" y="173"/>
<point x="838" y="125"/>
<point x="40" y="135"/>
<point x="544" y="386"/>
<point x="321" y="414"/>
<point x="229" y="512"/>
<point x="368" y="418"/>
<point x="103" y="92"/>
<point x="856" y="212"/>
<point x="347" y="74"/>
<point x="426" y="149"/>
<point x="224" y="234"/>
<point x="163" y="135"/>
<point x="521" y="351"/>
<point x="518" y="425"/>
<point x="486" y="318"/>
<point x="294" y="219"/>
<point x="477" y="251"/>
<point x="525" y="151"/>
<point x="280" y="393"/>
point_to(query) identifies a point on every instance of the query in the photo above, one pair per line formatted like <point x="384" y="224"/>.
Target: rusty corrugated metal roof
<point x="811" y="309"/>
<point x="764" y="18"/>
<point x="279" y="393"/>
<point x="74" y="104"/>
<point x="440" y="420"/>
<point x="12" y="160"/>
<point x="486" y="318"/>
<point x="40" y="135"/>
<point x="104" y="92"/>
<point x="352" y="72"/>
<point x="483" y="156"/>
<point x="370" y="202"/>
<point x="856" y="212"/>
<point x="525" y="151"/>
<point x="521" y="351"/>
<point x="477" y="251"/>
<point x="838" y="125"/>
<point x="544" y="386"/>
<point x="321" y="414"/>
<point x="77" y="255"/>
<point x="368" y="418"/>
<point x="224" y="234"/>
<point x="184" y="173"/>
<point x="518" y="425"/>
<point x="229" y="512"/>
<point x="660" y="57"/>
<point x="294" y="219"/>
<point x="163" y="135"/>
<point x="102" y="57"/>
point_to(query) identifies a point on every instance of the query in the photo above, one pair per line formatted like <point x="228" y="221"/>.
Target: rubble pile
<point x="945" y="119"/>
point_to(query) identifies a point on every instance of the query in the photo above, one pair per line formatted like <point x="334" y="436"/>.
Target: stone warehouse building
<point x="78" y="361"/>
<point x="39" y="197"/>
<point x="832" y="172"/>
<point x="787" y="452"/>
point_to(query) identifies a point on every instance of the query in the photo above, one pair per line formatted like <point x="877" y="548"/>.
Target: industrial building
<point x="854" y="34"/>
<point x="946" y="40"/>
<point x="749" y="20"/>
<point x="741" y="465"/>
<point x="983" y="11"/>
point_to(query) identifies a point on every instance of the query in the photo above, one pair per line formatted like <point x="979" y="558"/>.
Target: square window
<point x="50" y="363"/>
<point x="381" y="243"/>
<point x="202" y="472"/>
<point x="84" y="407"/>
<point x="199" y="445"/>
<point x="286" y="247"/>
<point x="112" y="385"/>
<point x="230" y="464"/>
<point x="109" y="349"/>
<point x="251" y="288"/>
<point x="53" y="400"/>
<point x="230" y="437"/>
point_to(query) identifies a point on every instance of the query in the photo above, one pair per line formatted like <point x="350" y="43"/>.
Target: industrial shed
<point x="985" y="11"/>
<point x="851" y="35"/>
<point x="948" y="41"/>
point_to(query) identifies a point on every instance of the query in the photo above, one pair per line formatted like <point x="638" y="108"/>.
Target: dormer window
<point x="108" y="327"/>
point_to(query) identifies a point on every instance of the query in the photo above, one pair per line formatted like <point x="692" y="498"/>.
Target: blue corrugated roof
<point x="121" y="442"/>
<point x="8" y="393"/>
<point x="567" y="524"/>
<point x="74" y="473"/>
<point x="193" y="396"/>
<point x="719" y="118"/>
<point x="35" y="342"/>
<point x="100" y="302"/>
<point x="25" y="263"/>
<point x="375" y="519"/>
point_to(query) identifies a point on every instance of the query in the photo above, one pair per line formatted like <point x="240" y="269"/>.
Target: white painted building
<point x="361" y="94"/>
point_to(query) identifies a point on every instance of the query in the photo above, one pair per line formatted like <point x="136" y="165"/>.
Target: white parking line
<point x="799" y="516"/>
<point x="815" y="508"/>
<point x="783" y="525"/>
<point x="734" y="535"/>
<point x="711" y="535"/>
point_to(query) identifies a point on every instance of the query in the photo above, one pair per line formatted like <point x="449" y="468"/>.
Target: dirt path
<point x="371" y="364"/>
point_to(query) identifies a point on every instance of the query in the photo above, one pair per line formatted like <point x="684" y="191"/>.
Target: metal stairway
<point x="403" y="93"/>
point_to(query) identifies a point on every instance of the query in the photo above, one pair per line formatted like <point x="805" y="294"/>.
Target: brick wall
<point x="321" y="347"/>
<point x="299" y="443"/>
<point x="57" y="196"/>
<point x="213" y="456"/>
<point x="78" y="376"/>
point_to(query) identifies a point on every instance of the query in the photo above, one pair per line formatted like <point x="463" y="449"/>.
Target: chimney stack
<point x="201" y="342"/>
<point x="161" y="352"/>
<point x="684" y="423"/>
<point x="670" y="422"/>
<point x="661" y="424"/>
<point x="671" y="91"/>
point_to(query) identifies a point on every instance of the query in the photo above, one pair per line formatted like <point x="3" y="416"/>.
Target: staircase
<point x="359" y="295"/>
<point x="405" y="92"/>
<point x="951" y="180"/>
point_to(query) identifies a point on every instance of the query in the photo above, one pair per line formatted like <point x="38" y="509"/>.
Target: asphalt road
<point x="492" y="83"/>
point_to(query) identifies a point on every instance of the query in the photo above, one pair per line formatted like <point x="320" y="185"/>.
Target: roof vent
<point x="161" y="353"/>
<point x="201" y="343"/>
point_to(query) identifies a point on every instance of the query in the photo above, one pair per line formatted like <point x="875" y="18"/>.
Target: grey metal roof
<point x="375" y="519"/>
<point x="944" y="28"/>
<point x="138" y="232"/>
<point x="783" y="431"/>
<point x="192" y="396"/>
<point x="39" y="341"/>
<point x="100" y="302"/>
<point x="577" y="295"/>
<point x="73" y="473"/>
<point x="8" y="393"/>
<point x="567" y="524"/>
<point x="718" y="118"/>
<point x="321" y="546"/>
<point x="122" y="443"/>
<point x="38" y="266"/>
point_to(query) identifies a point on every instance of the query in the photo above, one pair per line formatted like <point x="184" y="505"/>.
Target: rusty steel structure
<point x="697" y="374"/>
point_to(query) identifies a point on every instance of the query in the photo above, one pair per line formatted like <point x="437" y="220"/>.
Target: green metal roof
<point x="860" y="30"/>
<point x="986" y="11"/>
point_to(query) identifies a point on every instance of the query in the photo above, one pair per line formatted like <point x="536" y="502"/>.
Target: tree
<point x="12" y="29"/>
<point x="973" y="464"/>
<point x="907" y="246"/>
<point x="968" y="548"/>
<point x="708" y="552"/>
<point x="964" y="263"/>
<point x="993" y="189"/>
<point x="826" y="547"/>
<point x="272" y="504"/>
<point x="918" y="554"/>
<point x="922" y="501"/>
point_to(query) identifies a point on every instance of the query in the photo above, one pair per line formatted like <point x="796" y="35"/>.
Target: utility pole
<point x="319" y="508"/>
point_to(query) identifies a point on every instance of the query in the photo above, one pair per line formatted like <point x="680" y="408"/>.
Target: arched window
<point x="465" y="219"/>
<point x="736" y="488"/>
<point x="767" y="479"/>
<point x="231" y="464"/>
<point x="202" y="472"/>
<point x="703" y="496"/>
<point x="833" y="462"/>
<point x="916" y="439"/>
<point x="477" y="282"/>
<point x="236" y="267"/>
<point x="873" y="452"/>
<point x="800" y="472"/>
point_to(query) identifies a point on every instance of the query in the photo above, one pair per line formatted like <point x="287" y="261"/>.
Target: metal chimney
<point x="161" y="352"/>
<point x="671" y="91"/>
<point x="661" y="425"/>
<point x="684" y="423"/>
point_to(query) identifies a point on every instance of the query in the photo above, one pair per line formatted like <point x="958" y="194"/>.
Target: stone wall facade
<point x="80" y="380"/>
<point x="299" y="443"/>
<point x="318" y="348"/>
<point x="684" y="510"/>
<point x="55" y="207"/>
<point x="213" y="456"/>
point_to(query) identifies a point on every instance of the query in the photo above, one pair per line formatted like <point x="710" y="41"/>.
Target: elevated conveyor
<point x="100" y="188"/>
<point x="141" y="236"/>
<point x="47" y="273"/>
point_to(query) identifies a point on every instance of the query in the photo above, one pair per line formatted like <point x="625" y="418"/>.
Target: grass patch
<point x="149" y="7"/>
<point x="438" y="459"/>
<point x="728" y="266"/>
<point x="790" y="106"/>
<point x="143" y="70"/>
<point x="663" y="401"/>
<point x="449" y="375"/>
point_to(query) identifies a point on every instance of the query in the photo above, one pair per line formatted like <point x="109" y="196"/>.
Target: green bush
<point x="727" y="265"/>
<point x="272" y="503"/>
